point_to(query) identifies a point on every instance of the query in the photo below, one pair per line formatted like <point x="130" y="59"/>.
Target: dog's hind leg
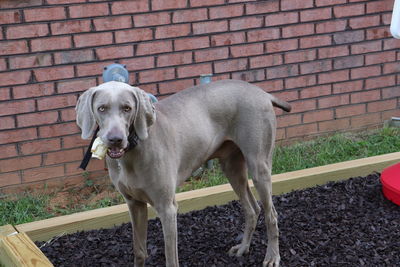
<point x="234" y="167"/>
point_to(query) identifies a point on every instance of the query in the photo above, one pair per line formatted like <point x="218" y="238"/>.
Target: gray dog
<point x="154" y="148"/>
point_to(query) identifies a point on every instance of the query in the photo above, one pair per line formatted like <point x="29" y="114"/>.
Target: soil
<point x="347" y="223"/>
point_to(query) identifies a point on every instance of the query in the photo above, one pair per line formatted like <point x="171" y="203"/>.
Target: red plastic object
<point x="390" y="179"/>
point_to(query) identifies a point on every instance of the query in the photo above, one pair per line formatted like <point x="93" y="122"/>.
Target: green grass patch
<point x="321" y="151"/>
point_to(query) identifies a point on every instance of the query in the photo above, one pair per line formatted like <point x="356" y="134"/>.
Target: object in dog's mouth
<point x="99" y="149"/>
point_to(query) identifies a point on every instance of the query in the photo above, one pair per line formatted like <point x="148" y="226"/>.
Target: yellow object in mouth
<point x="99" y="149"/>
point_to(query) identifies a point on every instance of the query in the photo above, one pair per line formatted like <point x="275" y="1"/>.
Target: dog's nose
<point x="115" y="140"/>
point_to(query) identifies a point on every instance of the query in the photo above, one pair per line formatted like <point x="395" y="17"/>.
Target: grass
<point x="318" y="152"/>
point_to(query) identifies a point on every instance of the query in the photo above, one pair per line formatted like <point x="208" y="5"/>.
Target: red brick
<point x="263" y="34"/>
<point x="250" y="75"/>
<point x="10" y="17"/>
<point x="44" y="14"/>
<point x="351" y="110"/>
<point x="387" y="115"/>
<point x="226" y="11"/>
<point x="8" y="151"/>
<point x="377" y="33"/>
<point x="230" y="65"/>
<point x="296" y="4"/>
<point x="191" y="43"/>
<point x="78" y="85"/>
<point x="281" y="18"/>
<point x="348" y="37"/>
<point x="156" y="75"/>
<point x="210" y="27"/>
<point x="114" y="52"/>
<point x="7" y="123"/>
<point x="58" y="130"/>
<point x="271" y="85"/>
<point x="333" y="76"/>
<point x="27" y="31"/>
<point x="247" y="50"/>
<point x="17" y="135"/>
<point x="281" y="45"/>
<point x="365" y="120"/>
<point x="152" y="19"/>
<point x="301" y="81"/>
<point x="11" y="178"/>
<point x="93" y="39"/>
<point x="391" y="44"/>
<point x="225" y="39"/>
<point x="73" y="56"/>
<point x="316" y="66"/>
<point x="288" y="120"/>
<point x="30" y="61"/>
<point x="211" y="54"/>
<point x="334" y="125"/>
<point x="382" y="105"/>
<point x="58" y="2"/>
<point x="364" y="72"/>
<point x="303" y="105"/>
<point x="40" y="146"/>
<point x="379" y="6"/>
<point x="112" y="23"/>
<point x="315" y="91"/>
<point x="74" y="141"/>
<point x="289" y="95"/>
<point x="68" y="114"/>
<point x="13" y="47"/>
<point x="54" y="73"/>
<point x="197" y="3"/>
<point x="393" y="67"/>
<point x="62" y="156"/>
<point x="175" y="86"/>
<point x="3" y="64"/>
<point x="20" y="163"/>
<point x="133" y="64"/>
<point x="297" y="30"/>
<point x="349" y="10"/>
<point x="33" y="90"/>
<point x="379" y="82"/>
<point x="319" y="115"/>
<point x="331" y="26"/>
<point x="162" y="4"/>
<point x="265" y="61"/>
<point x="282" y="71"/>
<point x="335" y="51"/>
<point x="129" y="7"/>
<point x="5" y="94"/>
<point x="35" y="119"/>
<point x="14" y="77"/>
<point x="316" y="14"/>
<point x="381" y="57"/>
<point x="315" y="41"/>
<point x="246" y="23"/>
<point x="91" y="69"/>
<point x="348" y="62"/>
<point x="88" y="10"/>
<point x="189" y="15"/>
<point x="51" y="43"/>
<point x="302" y="130"/>
<point x="194" y="70"/>
<point x="364" y="22"/>
<point x="386" y="19"/>
<point x="43" y="173"/>
<point x="19" y="4"/>
<point x="171" y="31"/>
<point x="346" y="87"/>
<point x="133" y="35"/>
<point x="391" y="92"/>
<point x="154" y="47"/>
<point x="70" y="26"/>
<point x="263" y="7"/>
<point x="300" y="56"/>
<point x="319" y="3"/>
<point x="365" y="96"/>
<point x="55" y="102"/>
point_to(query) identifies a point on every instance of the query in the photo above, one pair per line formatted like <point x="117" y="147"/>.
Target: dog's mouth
<point x="115" y="152"/>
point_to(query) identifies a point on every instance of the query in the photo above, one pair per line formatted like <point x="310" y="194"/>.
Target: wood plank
<point x="199" y="199"/>
<point x="7" y="230"/>
<point x="19" y="250"/>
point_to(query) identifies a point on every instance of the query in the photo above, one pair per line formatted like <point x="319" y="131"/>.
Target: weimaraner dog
<point x="231" y="120"/>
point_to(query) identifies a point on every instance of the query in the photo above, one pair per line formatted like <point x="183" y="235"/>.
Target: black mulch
<point x="338" y="224"/>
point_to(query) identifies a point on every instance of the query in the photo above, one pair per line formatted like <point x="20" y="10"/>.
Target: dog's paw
<point x="239" y="250"/>
<point x="272" y="259"/>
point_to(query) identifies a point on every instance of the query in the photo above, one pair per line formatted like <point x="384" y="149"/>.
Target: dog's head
<point x="116" y="108"/>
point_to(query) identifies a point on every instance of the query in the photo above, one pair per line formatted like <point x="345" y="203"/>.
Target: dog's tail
<point x="276" y="102"/>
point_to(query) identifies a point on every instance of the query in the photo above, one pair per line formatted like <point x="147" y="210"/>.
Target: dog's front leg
<point x="138" y="213"/>
<point x="167" y="211"/>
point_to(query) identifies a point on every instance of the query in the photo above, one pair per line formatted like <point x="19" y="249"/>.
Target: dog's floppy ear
<point x="145" y="113"/>
<point x="84" y="113"/>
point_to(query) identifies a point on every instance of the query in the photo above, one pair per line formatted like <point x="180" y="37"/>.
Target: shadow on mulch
<point x="347" y="223"/>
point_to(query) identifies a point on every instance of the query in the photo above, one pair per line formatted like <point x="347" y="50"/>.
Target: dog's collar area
<point x="133" y="140"/>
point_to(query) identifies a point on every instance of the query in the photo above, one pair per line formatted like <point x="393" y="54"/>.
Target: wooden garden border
<point x="17" y="247"/>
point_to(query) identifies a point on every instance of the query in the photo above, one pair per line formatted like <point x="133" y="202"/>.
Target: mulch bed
<point x="347" y="223"/>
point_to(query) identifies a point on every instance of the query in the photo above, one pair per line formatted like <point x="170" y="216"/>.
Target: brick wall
<point x="334" y="60"/>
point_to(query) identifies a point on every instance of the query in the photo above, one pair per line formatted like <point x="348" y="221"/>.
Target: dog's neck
<point x="133" y="140"/>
